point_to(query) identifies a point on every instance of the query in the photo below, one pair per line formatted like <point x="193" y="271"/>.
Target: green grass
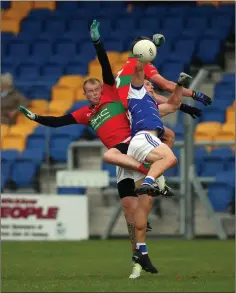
<point x="104" y="266"/>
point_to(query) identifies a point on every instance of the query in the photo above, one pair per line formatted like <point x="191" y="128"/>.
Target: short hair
<point x="6" y="79"/>
<point x="90" y="80"/>
<point x="139" y="39"/>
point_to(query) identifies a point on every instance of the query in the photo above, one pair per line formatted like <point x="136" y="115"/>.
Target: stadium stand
<point x="46" y="46"/>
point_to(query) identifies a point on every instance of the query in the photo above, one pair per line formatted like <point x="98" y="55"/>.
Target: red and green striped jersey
<point x="124" y="77"/>
<point x="108" y="119"/>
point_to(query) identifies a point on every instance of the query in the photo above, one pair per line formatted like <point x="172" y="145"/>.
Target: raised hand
<point x="27" y="113"/>
<point x="94" y="31"/>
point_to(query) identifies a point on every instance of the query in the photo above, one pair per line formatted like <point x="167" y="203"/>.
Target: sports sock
<point x="143" y="169"/>
<point x="142" y="248"/>
<point x="149" y="180"/>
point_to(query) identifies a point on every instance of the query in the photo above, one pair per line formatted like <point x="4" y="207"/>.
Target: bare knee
<point x="108" y="156"/>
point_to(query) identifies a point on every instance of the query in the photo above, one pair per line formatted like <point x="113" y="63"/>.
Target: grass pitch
<point x="104" y="266"/>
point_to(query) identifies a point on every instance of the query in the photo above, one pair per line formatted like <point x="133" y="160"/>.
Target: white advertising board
<point x="44" y="217"/>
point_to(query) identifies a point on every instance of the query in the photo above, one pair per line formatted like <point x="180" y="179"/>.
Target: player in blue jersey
<point x="146" y="146"/>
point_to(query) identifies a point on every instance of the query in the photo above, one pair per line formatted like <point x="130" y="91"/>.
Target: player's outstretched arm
<point x="138" y="76"/>
<point x="107" y="74"/>
<point x="50" y="121"/>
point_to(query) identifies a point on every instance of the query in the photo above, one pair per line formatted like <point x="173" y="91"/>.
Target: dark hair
<point x="139" y="39"/>
<point x="90" y="80"/>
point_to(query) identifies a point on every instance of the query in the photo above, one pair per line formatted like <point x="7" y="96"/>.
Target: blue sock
<point x="142" y="248"/>
<point x="149" y="180"/>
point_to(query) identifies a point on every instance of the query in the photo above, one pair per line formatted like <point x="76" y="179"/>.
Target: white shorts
<point x="122" y="174"/>
<point x="142" y="144"/>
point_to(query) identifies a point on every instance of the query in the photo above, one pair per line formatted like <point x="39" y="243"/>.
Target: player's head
<point x="148" y="86"/>
<point x="138" y="39"/>
<point x="93" y="90"/>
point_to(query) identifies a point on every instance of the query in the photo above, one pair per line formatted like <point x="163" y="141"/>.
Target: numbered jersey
<point x="124" y="77"/>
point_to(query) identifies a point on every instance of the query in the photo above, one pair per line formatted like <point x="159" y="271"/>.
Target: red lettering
<point x="25" y="212"/>
<point x="19" y="201"/>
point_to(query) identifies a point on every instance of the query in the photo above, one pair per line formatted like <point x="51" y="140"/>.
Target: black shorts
<point x="125" y="187"/>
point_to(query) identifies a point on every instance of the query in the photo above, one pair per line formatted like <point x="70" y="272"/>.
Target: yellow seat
<point x="63" y="93"/>
<point x="39" y="105"/>
<point x="208" y="127"/>
<point x="124" y="56"/>
<point x="60" y="105"/>
<point x="10" y="25"/>
<point x="13" y="13"/>
<point x="4" y="129"/>
<point x="116" y="67"/>
<point x="215" y="3"/>
<point x="51" y="5"/>
<point x="21" y="129"/>
<point x="203" y="137"/>
<point x="230" y="115"/>
<point x="72" y="81"/>
<point x="93" y="64"/>
<point x="54" y="113"/>
<point x="21" y="119"/>
<point x="79" y="94"/>
<point x="22" y="5"/>
<point x="224" y="136"/>
<point x="16" y="142"/>
<point x="228" y="127"/>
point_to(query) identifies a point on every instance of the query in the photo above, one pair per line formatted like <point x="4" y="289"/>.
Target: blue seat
<point x="52" y="70"/>
<point x="201" y="10"/>
<point x="55" y="26"/>
<point x="58" y="147"/>
<point x="191" y="33"/>
<point x="39" y="14"/>
<point x="200" y="22"/>
<point x="175" y="22"/>
<point x="92" y="132"/>
<point x="26" y="36"/>
<point x="156" y="11"/>
<point x="67" y="6"/>
<point x="5" y="5"/>
<point x="18" y="49"/>
<point x="150" y="23"/>
<point x="23" y="173"/>
<point x="114" y="45"/>
<point x="177" y="10"/>
<point x="41" y="48"/>
<point x="36" y="142"/>
<point x="73" y="131"/>
<point x="228" y="9"/>
<point x="65" y="48"/>
<point x="3" y="182"/>
<point x="34" y="155"/>
<point x="221" y="21"/>
<point x="213" y="114"/>
<point x="225" y="154"/>
<point x="208" y="50"/>
<point x="220" y="196"/>
<point x="75" y="23"/>
<point x="125" y="23"/>
<point x="9" y="155"/>
<point x="77" y="106"/>
<point x="211" y="165"/>
<point x="6" y="169"/>
<point x="31" y="26"/>
<point x="179" y="132"/>
<point x="60" y="59"/>
<point x="6" y="37"/>
<point x="172" y="70"/>
<point x="37" y="58"/>
<point x="216" y="33"/>
<point x="228" y="78"/>
<point x="110" y="168"/>
<point x="28" y="71"/>
<point x="40" y="92"/>
<point x="199" y="156"/>
<point x="76" y="68"/>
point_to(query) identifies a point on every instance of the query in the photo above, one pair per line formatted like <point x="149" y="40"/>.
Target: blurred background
<point x="46" y="54"/>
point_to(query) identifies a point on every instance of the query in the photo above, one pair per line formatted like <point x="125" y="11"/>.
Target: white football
<point x="145" y="51"/>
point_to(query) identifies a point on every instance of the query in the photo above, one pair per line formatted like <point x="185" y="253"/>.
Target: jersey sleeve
<point x="150" y="70"/>
<point x="80" y="115"/>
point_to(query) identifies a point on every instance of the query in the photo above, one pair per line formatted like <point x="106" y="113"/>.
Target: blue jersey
<point x="143" y="111"/>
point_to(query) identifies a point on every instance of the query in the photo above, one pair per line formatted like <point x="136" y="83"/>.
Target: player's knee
<point x="129" y="205"/>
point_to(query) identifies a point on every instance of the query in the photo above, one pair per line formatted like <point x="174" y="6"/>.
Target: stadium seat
<point x="73" y="131"/>
<point x="41" y="13"/>
<point x="220" y="195"/>
<point x="4" y="129"/>
<point x="179" y="132"/>
<point x="59" y="105"/>
<point x="9" y="155"/>
<point x="77" y="68"/>
<point x="211" y="165"/>
<point x="41" y="105"/>
<point x="52" y="70"/>
<point x="15" y="14"/>
<point x="28" y="71"/>
<point x="224" y="136"/>
<point x="34" y="155"/>
<point x="77" y="105"/>
<point x="42" y="48"/>
<point x="5" y="170"/>
<point x="213" y="114"/>
<point x="199" y="156"/>
<point x="175" y="22"/>
<point x="18" y="48"/>
<point x="16" y="142"/>
<point x="208" y="50"/>
<point x="21" y="129"/>
<point x="79" y="94"/>
<point x="39" y="92"/>
<point x="230" y="115"/>
<point x="59" y="93"/>
<point x="224" y="154"/>
<point x="228" y="127"/>
<point x="71" y="81"/>
<point x="51" y="5"/>
<point x="58" y="147"/>
<point x="31" y="26"/>
<point x="202" y="136"/>
<point x="65" y="47"/>
<point x="124" y="56"/>
<point x="20" y="176"/>
<point x="110" y="168"/>
<point x="200" y="22"/>
<point x="211" y="128"/>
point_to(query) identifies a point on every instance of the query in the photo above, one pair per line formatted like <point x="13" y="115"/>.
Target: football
<point x="145" y="51"/>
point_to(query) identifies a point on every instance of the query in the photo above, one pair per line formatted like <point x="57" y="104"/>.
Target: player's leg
<point x="115" y="157"/>
<point x="168" y="137"/>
